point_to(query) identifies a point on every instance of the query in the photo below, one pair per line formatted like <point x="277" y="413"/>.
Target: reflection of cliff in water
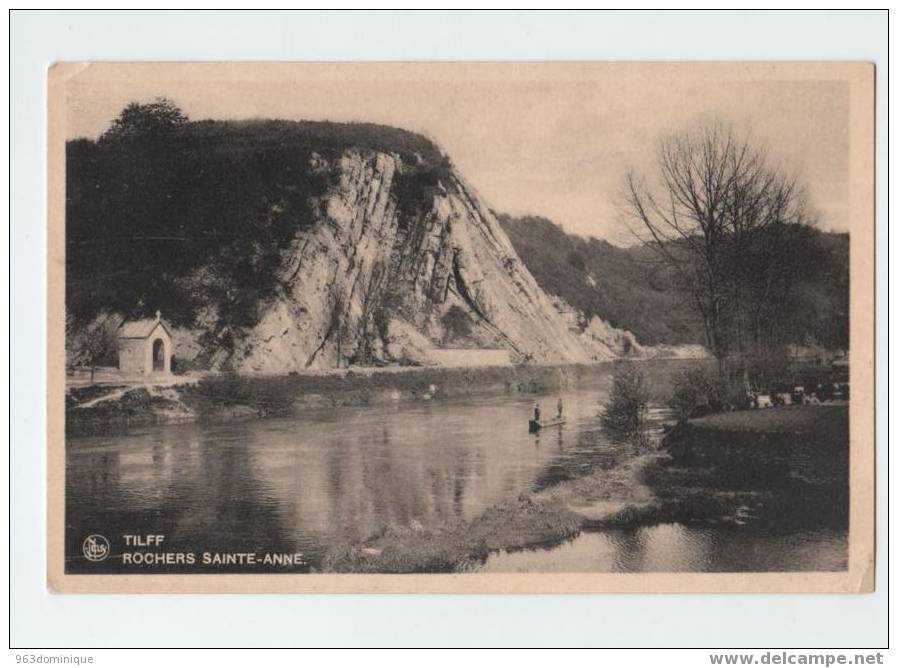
<point x="194" y="488"/>
<point x="352" y="484"/>
<point x="313" y="483"/>
<point x="349" y="487"/>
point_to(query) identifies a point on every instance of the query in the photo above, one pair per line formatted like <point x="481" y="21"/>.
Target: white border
<point x="39" y="619"/>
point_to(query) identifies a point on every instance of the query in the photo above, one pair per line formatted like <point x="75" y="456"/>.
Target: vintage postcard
<point x="460" y="327"/>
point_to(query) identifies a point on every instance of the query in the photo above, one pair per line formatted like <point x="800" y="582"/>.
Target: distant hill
<point x="626" y="287"/>
<point x="630" y="289"/>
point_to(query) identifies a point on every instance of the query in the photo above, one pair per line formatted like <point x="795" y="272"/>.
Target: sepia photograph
<point x="460" y="327"/>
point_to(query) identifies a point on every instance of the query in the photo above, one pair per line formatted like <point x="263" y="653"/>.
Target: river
<point x="333" y="477"/>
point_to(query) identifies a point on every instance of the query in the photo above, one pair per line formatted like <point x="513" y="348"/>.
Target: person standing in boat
<point x="536" y="411"/>
<point x="560" y="407"/>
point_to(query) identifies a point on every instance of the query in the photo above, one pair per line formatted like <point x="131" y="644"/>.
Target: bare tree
<point x="94" y="345"/>
<point x="717" y="213"/>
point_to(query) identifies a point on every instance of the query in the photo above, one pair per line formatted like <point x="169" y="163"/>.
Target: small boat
<point x="536" y="425"/>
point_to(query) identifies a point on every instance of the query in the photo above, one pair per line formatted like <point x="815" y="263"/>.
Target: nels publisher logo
<point x="95" y="547"/>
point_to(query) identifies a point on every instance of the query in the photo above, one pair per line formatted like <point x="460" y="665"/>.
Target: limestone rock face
<point x="601" y="340"/>
<point x="372" y="282"/>
<point x="388" y="267"/>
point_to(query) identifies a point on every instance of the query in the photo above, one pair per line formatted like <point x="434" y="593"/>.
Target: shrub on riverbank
<point x="700" y="391"/>
<point x="695" y="392"/>
<point x="627" y="406"/>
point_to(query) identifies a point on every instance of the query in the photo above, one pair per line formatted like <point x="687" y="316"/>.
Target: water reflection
<point x="340" y="482"/>
<point x="193" y="486"/>
<point x="327" y="478"/>
<point x="674" y="548"/>
<point x="334" y="477"/>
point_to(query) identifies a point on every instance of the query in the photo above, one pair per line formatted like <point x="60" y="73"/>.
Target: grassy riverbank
<point x="513" y="524"/>
<point x="808" y="443"/>
<point x="820" y="420"/>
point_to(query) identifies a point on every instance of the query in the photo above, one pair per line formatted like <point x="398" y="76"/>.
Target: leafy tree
<point x="145" y="122"/>
<point x="93" y="346"/>
<point x="194" y="217"/>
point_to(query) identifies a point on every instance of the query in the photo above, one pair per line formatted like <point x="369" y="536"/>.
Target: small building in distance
<point x="144" y="346"/>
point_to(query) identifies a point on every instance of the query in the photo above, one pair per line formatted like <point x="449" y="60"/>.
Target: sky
<point x="549" y="140"/>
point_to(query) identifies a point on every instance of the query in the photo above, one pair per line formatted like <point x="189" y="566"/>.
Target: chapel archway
<point x="158" y="355"/>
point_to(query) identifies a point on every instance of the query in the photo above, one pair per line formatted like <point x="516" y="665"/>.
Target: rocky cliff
<point x="365" y="286"/>
<point x="274" y="246"/>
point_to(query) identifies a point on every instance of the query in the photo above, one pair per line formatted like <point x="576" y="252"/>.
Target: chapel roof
<point x="141" y="329"/>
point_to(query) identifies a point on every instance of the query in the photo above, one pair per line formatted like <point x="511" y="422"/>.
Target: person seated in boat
<point x="560" y="407"/>
<point x="536" y="411"/>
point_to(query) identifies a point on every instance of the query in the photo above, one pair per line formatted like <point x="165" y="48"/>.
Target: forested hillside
<point x="159" y="197"/>
<point x="631" y="289"/>
<point x="276" y="246"/>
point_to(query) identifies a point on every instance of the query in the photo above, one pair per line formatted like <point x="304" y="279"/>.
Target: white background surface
<point x="39" y="619"/>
